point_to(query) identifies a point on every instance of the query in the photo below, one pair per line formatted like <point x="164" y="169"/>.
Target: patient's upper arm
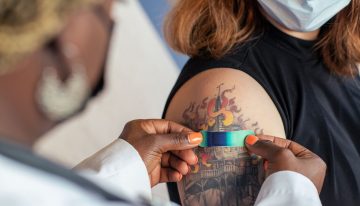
<point x="221" y="100"/>
<point x="225" y="99"/>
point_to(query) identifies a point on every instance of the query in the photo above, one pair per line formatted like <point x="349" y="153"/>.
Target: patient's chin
<point x="223" y="176"/>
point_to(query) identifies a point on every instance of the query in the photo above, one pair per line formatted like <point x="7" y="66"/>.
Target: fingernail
<point x="195" y="138"/>
<point x="251" y="139"/>
<point x="266" y="164"/>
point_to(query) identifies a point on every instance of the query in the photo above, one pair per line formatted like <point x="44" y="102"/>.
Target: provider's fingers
<point x="265" y="149"/>
<point x="161" y="126"/>
<point x="169" y="175"/>
<point x="165" y="159"/>
<point x="179" y="165"/>
<point x="177" y="141"/>
<point x="281" y="142"/>
<point x="187" y="155"/>
<point x="297" y="149"/>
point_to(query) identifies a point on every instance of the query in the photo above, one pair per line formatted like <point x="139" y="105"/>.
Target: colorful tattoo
<point x="224" y="175"/>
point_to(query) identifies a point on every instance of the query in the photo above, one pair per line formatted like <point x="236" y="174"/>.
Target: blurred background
<point x="138" y="81"/>
<point x="156" y="12"/>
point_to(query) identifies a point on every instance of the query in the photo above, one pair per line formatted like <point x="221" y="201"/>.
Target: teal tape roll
<point x="225" y="139"/>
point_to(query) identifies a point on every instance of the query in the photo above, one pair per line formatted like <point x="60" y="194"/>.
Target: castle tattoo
<point x="224" y="175"/>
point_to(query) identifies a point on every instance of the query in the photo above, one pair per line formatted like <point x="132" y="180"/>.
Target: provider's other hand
<point x="164" y="146"/>
<point x="281" y="154"/>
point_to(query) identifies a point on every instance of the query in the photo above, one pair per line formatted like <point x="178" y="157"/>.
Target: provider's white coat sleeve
<point x="288" y="188"/>
<point x="119" y="168"/>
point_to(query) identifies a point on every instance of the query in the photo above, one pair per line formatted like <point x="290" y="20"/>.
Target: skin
<point x="245" y="105"/>
<point x="166" y="156"/>
<point x="164" y="146"/>
<point x="282" y="155"/>
<point x="20" y="118"/>
<point x="257" y="113"/>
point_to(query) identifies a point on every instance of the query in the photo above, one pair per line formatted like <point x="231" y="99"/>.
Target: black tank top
<point x="319" y="110"/>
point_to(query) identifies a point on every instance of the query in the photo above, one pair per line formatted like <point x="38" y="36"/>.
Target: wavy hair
<point x="208" y="27"/>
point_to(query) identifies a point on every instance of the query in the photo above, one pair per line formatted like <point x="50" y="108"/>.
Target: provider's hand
<point x="164" y="146"/>
<point x="281" y="154"/>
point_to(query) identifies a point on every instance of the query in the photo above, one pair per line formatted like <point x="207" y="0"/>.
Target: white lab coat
<point x="118" y="168"/>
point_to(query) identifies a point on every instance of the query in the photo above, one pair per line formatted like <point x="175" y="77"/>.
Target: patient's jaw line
<point x="224" y="175"/>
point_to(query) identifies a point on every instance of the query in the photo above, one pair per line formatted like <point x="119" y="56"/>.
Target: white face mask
<point x="303" y="15"/>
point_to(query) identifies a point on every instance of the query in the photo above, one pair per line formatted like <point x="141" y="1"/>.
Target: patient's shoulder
<point x="225" y="98"/>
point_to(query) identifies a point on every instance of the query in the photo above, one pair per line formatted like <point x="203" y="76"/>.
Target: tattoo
<point x="224" y="175"/>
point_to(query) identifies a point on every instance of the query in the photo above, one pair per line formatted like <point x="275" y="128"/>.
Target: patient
<point x="251" y="68"/>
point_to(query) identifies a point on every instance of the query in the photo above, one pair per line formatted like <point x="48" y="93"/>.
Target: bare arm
<point x="224" y="100"/>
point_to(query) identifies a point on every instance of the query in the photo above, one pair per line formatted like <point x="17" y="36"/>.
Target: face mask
<point x="302" y="15"/>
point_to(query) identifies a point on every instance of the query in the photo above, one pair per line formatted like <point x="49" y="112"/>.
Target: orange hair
<point x="207" y="27"/>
